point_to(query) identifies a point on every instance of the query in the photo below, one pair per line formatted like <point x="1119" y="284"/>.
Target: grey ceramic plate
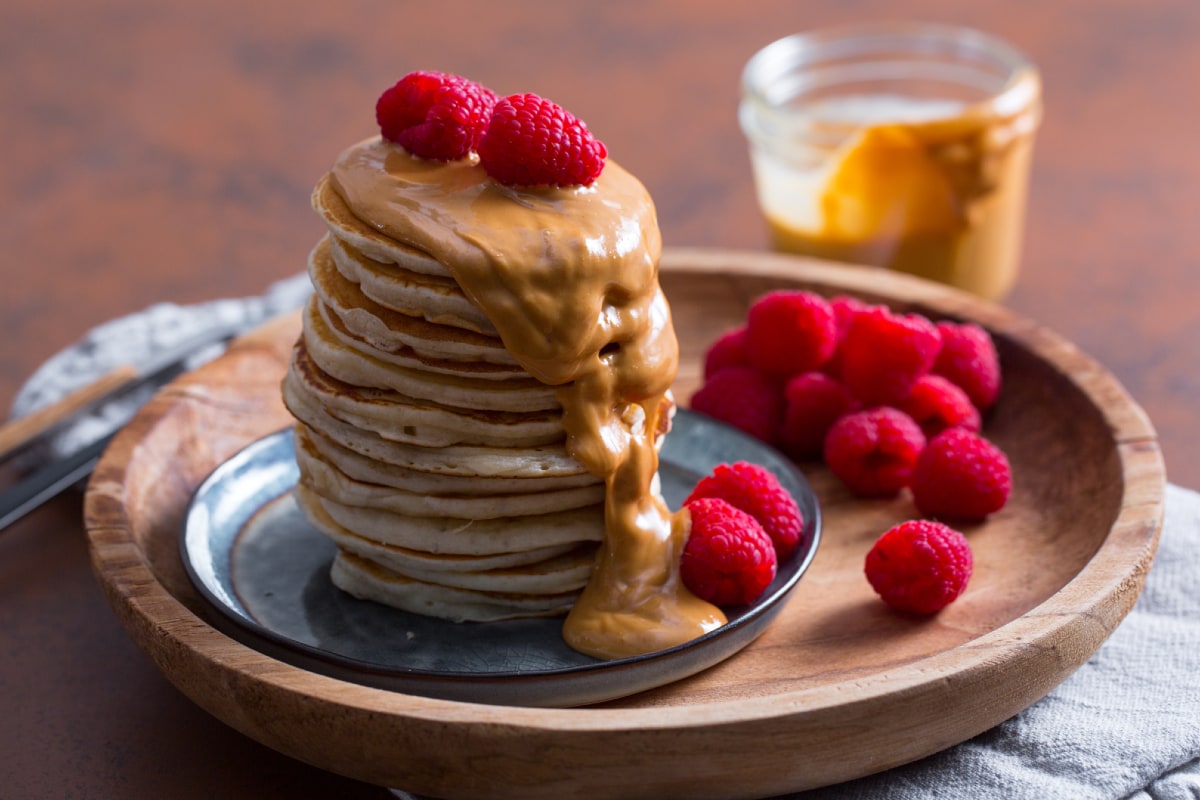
<point x="265" y="570"/>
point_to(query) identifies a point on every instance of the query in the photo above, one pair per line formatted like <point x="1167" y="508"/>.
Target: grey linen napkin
<point x="1125" y="725"/>
<point x="135" y="339"/>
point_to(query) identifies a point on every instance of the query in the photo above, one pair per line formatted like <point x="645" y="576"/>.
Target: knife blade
<point x="48" y="480"/>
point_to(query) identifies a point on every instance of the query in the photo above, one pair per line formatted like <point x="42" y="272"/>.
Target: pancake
<point x="403" y="355"/>
<point x="398" y="417"/>
<point x="565" y="572"/>
<point x="404" y="560"/>
<point x="467" y="460"/>
<point x="330" y="482"/>
<point x="462" y="537"/>
<point x="561" y="574"/>
<point x="376" y="470"/>
<point x="348" y="228"/>
<point x="543" y="571"/>
<point x="391" y="331"/>
<point x="436" y="298"/>
<point x="364" y="370"/>
<point x="367" y="581"/>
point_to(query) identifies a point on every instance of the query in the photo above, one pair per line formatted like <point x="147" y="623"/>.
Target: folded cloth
<point x="1125" y="725"/>
<point x="135" y="339"/>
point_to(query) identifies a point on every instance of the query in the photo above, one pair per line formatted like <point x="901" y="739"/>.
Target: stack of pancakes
<point x="434" y="461"/>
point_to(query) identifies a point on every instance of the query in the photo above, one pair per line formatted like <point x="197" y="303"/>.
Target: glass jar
<point x="903" y="145"/>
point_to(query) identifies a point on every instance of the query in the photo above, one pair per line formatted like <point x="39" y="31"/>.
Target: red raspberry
<point x="434" y="115"/>
<point x="919" y="566"/>
<point x="531" y="141"/>
<point x="813" y="402"/>
<point x="731" y="350"/>
<point x="728" y="560"/>
<point x="873" y="451"/>
<point x="744" y="398"/>
<point x="845" y="308"/>
<point x="757" y="491"/>
<point x="961" y="475"/>
<point x="883" y="354"/>
<point x="969" y="360"/>
<point x="790" y="332"/>
<point x="937" y="404"/>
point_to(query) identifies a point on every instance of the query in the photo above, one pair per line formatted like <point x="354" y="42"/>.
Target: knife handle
<point x="20" y="432"/>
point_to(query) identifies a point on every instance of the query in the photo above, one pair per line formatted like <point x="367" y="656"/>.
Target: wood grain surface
<point x="165" y="152"/>
<point x="837" y="676"/>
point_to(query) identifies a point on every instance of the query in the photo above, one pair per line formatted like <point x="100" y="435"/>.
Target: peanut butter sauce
<point x="943" y="198"/>
<point x="569" y="278"/>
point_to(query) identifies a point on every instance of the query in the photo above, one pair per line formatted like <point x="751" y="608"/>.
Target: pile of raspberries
<point x="888" y="401"/>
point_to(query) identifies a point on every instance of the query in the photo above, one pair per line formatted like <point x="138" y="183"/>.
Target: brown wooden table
<point x="158" y="151"/>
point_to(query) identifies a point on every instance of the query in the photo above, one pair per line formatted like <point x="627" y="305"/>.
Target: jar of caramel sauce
<point x="901" y="145"/>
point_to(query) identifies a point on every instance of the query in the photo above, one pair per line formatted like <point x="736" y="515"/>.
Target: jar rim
<point x="1018" y="83"/>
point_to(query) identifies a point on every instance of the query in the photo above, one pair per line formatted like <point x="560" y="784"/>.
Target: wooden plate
<point x="838" y="687"/>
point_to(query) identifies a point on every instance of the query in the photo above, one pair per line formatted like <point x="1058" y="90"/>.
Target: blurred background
<point x="176" y="144"/>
